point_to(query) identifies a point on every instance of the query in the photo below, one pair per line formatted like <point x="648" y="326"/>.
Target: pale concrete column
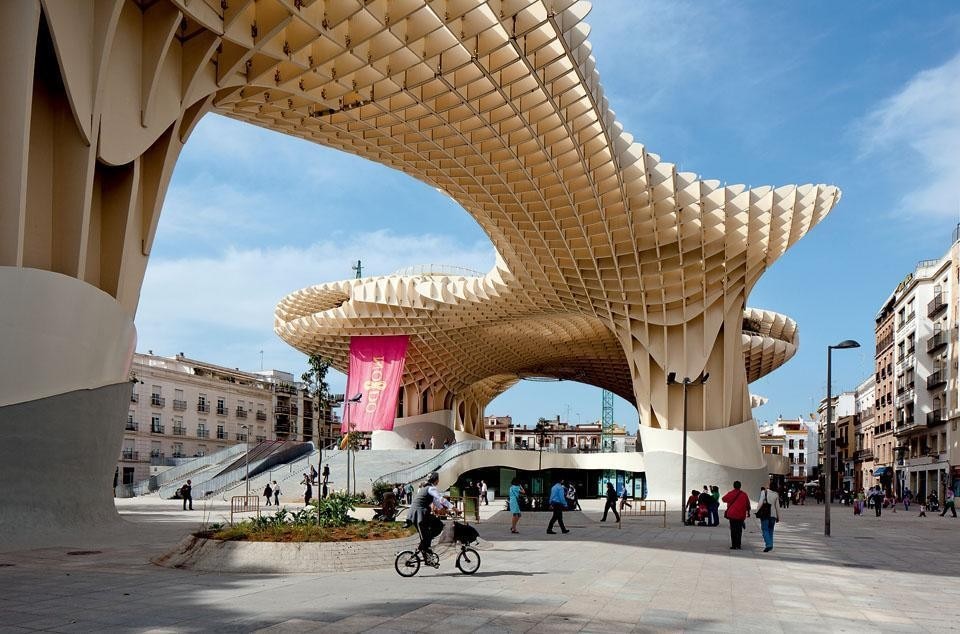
<point x="64" y="395"/>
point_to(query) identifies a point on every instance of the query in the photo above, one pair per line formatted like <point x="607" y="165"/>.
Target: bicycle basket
<point x="464" y="533"/>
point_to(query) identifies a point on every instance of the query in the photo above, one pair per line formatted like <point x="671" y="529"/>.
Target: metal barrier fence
<point x="244" y="504"/>
<point x="646" y="508"/>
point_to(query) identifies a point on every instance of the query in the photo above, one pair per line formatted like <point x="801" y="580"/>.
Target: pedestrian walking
<point x="769" y="514"/>
<point x="624" y="500"/>
<point x="276" y="493"/>
<point x="738" y="508"/>
<point x="923" y="509"/>
<point x="408" y="490"/>
<point x="186" y="492"/>
<point x="513" y="501"/>
<point x="483" y="492"/>
<point x="714" y="509"/>
<point x="573" y="503"/>
<point x="907" y="496"/>
<point x="878" y="501"/>
<point x="558" y="502"/>
<point x="433" y="442"/>
<point x="308" y="492"/>
<point x="611" y="503"/>
<point x="268" y="493"/>
<point x="949" y="503"/>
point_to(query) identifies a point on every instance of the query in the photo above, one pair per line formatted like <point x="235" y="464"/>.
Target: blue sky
<point x="865" y="96"/>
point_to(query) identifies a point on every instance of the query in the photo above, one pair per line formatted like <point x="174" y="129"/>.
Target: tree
<point x="315" y="380"/>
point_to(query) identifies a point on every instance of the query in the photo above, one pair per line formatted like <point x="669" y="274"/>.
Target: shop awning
<point x="879" y="471"/>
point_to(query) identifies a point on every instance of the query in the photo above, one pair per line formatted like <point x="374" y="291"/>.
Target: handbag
<point x="764" y="511"/>
<point x="726" y="513"/>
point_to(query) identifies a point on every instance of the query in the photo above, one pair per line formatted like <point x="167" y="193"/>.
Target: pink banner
<point x="376" y="365"/>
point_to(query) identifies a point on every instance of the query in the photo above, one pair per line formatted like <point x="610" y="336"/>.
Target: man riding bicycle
<point x="421" y="514"/>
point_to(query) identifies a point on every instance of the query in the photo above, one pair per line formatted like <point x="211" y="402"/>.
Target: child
<point x="923" y="510"/>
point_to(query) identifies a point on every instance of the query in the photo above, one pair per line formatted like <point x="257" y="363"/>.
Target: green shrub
<point x="334" y="510"/>
<point x="379" y="488"/>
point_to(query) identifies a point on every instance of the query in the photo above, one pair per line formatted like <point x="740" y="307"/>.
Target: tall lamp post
<point x="542" y="430"/>
<point x="346" y="416"/>
<point x="246" y="431"/>
<point x="672" y="380"/>
<point x="828" y="442"/>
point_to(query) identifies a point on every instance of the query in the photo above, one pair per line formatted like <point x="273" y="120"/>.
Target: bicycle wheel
<point x="407" y="563"/>
<point x="468" y="561"/>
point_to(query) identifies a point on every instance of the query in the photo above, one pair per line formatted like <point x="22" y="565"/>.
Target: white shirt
<point x="772" y="498"/>
<point x="438" y="500"/>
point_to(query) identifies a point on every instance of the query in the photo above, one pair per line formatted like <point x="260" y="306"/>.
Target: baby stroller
<point x="697" y="514"/>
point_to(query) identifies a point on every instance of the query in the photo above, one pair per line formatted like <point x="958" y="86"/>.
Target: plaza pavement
<point x="900" y="573"/>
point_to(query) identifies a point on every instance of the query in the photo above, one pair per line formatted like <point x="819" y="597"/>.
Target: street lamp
<point x="828" y="443"/>
<point x="246" y="431"/>
<point x="541" y="430"/>
<point x="672" y="380"/>
<point x="346" y="415"/>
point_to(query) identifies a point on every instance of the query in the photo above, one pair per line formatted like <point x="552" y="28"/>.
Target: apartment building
<point x="844" y="408"/>
<point x="181" y="408"/>
<point x="863" y="427"/>
<point x="925" y="339"/>
<point x="883" y="440"/>
<point x="558" y="436"/>
<point x="797" y="440"/>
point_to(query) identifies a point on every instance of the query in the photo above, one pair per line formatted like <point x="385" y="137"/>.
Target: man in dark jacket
<point x="705" y="500"/>
<point x="186" y="492"/>
<point x="738" y="507"/>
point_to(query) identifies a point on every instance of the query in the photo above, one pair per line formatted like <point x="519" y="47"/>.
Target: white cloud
<point x="922" y="122"/>
<point x="220" y="309"/>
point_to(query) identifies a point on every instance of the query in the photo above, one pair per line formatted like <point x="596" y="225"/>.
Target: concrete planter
<point x="211" y="555"/>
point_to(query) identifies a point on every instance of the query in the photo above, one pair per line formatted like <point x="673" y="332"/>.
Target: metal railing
<point x="420" y="471"/>
<point x="157" y="401"/>
<point x="132" y="425"/>
<point x="181" y="471"/>
<point x="203" y="433"/>
<point x="283" y="472"/>
<point x="215" y="485"/>
<point x="179" y="405"/>
<point x="937" y="378"/>
<point x="936" y="305"/>
<point x="935" y="418"/>
<point x="437" y="270"/>
<point x="203" y="408"/>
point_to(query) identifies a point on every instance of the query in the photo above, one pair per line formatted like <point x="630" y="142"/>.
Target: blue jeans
<point x="766" y="527"/>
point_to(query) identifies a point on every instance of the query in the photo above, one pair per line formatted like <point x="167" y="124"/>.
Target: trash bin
<point x="471" y="506"/>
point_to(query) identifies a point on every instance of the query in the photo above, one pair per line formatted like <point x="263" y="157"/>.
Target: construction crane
<point x="606" y="418"/>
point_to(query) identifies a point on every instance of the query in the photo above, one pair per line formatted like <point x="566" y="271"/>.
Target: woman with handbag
<point x="738" y="507"/>
<point x="768" y="514"/>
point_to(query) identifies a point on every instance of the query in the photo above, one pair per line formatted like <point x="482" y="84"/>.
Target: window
<point x="790" y="444"/>
<point x="221" y="407"/>
<point x="801" y="443"/>
<point x="775" y="450"/>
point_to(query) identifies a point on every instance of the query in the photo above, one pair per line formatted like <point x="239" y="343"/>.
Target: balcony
<point x="863" y="455"/>
<point x="261" y="415"/>
<point x="132" y="425"/>
<point x="222" y="411"/>
<point x="936" y="417"/>
<point x="284" y="388"/>
<point x="156" y="429"/>
<point x="936" y="379"/>
<point x="936" y="305"/>
<point x="937" y="341"/>
<point x="884" y="343"/>
<point x="241" y="413"/>
<point x="281" y="409"/>
<point x="130" y="455"/>
<point x="222" y="435"/>
<point x="157" y="401"/>
<point x="134" y="397"/>
<point x="178" y="454"/>
<point x="241" y="437"/>
<point x="203" y="433"/>
<point x="179" y="405"/>
<point x="179" y="431"/>
<point x="203" y="407"/>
